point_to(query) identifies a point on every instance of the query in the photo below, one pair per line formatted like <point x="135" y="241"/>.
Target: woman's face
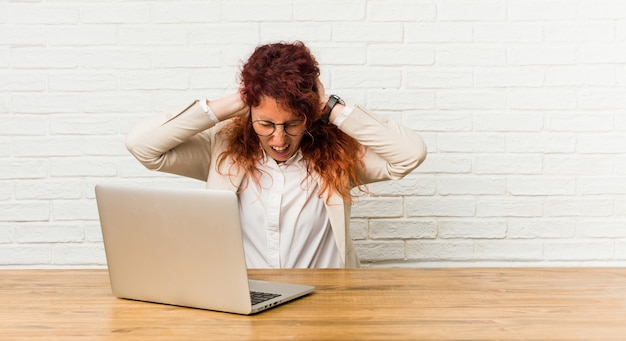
<point x="280" y="131"/>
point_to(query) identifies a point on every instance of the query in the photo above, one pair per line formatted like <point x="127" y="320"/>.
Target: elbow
<point x="413" y="159"/>
<point x="140" y="152"/>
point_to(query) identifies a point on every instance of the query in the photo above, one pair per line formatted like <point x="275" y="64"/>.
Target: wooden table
<point x="362" y="304"/>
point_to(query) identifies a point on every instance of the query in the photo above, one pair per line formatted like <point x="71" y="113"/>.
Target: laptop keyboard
<point x="258" y="297"/>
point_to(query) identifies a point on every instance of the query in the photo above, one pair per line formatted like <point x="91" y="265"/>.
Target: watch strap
<point x="332" y="101"/>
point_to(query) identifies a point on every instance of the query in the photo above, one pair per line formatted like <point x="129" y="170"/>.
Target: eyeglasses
<point x="291" y="128"/>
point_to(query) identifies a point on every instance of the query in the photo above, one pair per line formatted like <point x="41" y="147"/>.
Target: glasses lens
<point x="292" y="128"/>
<point x="263" y="128"/>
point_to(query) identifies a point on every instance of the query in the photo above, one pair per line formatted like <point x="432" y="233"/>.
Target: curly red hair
<point x="288" y="73"/>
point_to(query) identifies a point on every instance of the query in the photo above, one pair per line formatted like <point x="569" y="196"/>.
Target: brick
<point x="430" y="79"/>
<point x="366" y="77"/>
<point x="187" y="58"/>
<point x="195" y="12"/>
<point x="25" y="211"/>
<point x="579" y="250"/>
<point x="471" y="56"/>
<point x="93" y="233"/>
<point x="471" y="142"/>
<point x="18" y="81"/>
<point x="79" y="167"/>
<point x="471" y="99"/>
<point x="291" y="31"/>
<point x="48" y="189"/>
<point x="461" y="206"/>
<point x="84" y="125"/>
<point x="410" y="185"/>
<point x="6" y="234"/>
<point x="542" y="99"/>
<point x="509" y="77"/>
<point x="378" y="207"/>
<point x="445" y="164"/>
<point x="464" y="10"/>
<point x="400" y="99"/>
<point x="508" y="33"/>
<point x="368" y="32"/>
<point x="534" y="228"/>
<point x="440" y="122"/>
<point x="110" y="146"/>
<point x="79" y="254"/>
<point x="508" y="250"/>
<point x="83" y="35"/>
<point x="130" y="103"/>
<point x="23" y="169"/>
<point x="614" y="185"/>
<point x="369" y="251"/>
<point x="509" y="207"/>
<point x="358" y="229"/>
<point x="541" y="143"/>
<point x="602" y="53"/>
<point x="577" y="165"/>
<point x="152" y="35"/>
<point x="48" y="146"/>
<point x="318" y="10"/>
<point x="402" y="229"/>
<point x="72" y="210"/>
<point x="599" y="143"/>
<point x="122" y="13"/>
<point x="508" y="164"/>
<point x="588" y="75"/>
<point x="578" y="207"/>
<point x="580" y="32"/>
<point x="602" y="99"/>
<point x="398" y="10"/>
<point x="471" y="185"/>
<point x="601" y="229"/>
<point x="509" y="122"/>
<point x="584" y="121"/>
<point x="115" y="59"/>
<point x="154" y="80"/>
<point x="48" y="233"/>
<point x="23" y="35"/>
<point x="25" y="254"/>
<point x="250" y="11"/>
<point x="46" y="103"/>
<point x="540" y="55"/>
<point x="603" y="9"/>
<point x="466" y="229"/>
<point x="242" y="33"/>
<point x="82" y="82"/>
<point x="43" y="14"/>
<point x="541" y="10"/>
<point x="438" y="32"/>
<point x="51" y="58"/>
<point x="541" y="185"/>
<point x="402" y="55"/>
<point x="439" y="250"/>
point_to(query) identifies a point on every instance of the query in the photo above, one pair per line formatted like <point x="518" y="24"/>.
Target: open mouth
<point x="280" y="150"/>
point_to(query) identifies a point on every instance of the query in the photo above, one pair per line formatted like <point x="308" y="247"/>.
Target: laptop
<point x="182" y="247"/>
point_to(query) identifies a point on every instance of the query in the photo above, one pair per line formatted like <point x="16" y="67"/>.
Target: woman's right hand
<point x="228" y="107"/>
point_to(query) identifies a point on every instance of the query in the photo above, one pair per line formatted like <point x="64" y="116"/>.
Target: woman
<point x="290" y="152"/>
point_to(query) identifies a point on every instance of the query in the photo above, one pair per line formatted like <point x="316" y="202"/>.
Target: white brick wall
<point x="522" y="105"/>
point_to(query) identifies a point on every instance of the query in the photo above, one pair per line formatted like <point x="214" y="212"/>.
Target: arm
<point x="180" y="142"/>
<point x="391" y="150"/>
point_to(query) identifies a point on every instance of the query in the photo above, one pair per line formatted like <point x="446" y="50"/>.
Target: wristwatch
<point x="332" y="101"/>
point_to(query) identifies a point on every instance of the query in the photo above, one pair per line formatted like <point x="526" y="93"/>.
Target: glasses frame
<point x="284" y="124"/>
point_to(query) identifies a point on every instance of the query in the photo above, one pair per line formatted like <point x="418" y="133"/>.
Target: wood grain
<point x="354" y="304"/>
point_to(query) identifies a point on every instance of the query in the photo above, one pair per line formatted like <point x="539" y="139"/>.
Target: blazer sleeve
<point x="177" y="143"/>
<point x="391" y="150"/>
